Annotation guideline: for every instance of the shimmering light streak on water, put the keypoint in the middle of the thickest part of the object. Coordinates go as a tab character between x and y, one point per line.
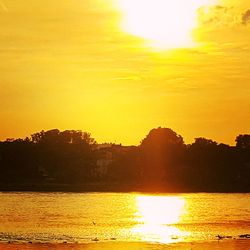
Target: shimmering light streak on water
156	214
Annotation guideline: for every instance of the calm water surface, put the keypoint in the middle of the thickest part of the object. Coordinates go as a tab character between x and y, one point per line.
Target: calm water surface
84	217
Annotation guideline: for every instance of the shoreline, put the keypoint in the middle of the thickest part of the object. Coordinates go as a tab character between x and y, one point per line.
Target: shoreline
237	244
106	187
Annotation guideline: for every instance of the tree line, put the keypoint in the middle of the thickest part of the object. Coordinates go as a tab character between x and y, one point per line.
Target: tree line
72	160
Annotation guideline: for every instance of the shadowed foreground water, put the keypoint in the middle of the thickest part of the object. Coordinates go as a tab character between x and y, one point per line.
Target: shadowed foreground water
115	217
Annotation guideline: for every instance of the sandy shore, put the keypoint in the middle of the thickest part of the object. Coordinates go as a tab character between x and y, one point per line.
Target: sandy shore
217	245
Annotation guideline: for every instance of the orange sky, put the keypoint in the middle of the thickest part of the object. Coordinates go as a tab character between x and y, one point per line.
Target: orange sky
72	65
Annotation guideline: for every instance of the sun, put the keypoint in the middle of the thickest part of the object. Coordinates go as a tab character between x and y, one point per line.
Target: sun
163	24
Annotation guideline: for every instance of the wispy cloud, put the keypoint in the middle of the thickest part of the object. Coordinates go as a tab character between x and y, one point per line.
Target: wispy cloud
219	15
128	78
246	17
224	16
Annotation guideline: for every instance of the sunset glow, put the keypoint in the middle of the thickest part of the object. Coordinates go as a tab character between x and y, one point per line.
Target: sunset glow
163	24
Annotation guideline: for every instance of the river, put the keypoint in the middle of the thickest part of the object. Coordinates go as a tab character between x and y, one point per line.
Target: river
86	217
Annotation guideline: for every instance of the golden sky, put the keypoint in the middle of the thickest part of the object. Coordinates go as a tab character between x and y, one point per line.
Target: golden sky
118	68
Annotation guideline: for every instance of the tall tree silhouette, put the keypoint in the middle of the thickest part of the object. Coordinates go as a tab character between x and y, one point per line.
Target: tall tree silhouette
161	152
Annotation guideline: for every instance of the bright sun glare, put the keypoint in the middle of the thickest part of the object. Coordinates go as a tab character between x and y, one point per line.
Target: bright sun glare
157	216
164	24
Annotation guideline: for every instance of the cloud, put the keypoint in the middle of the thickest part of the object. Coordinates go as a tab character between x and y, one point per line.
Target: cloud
222	16
218	15
246	17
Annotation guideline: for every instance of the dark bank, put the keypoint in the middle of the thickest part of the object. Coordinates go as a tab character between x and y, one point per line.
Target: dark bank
72	161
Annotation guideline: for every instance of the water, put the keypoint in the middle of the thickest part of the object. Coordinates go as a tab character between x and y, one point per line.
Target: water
87	217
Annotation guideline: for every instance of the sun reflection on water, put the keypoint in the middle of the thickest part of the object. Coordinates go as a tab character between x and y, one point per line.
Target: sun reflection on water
157	218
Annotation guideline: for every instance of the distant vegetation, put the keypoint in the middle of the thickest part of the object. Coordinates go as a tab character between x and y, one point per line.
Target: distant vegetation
73	161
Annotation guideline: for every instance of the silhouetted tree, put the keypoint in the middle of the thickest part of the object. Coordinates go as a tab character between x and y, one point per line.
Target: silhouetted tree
17	161
243	154
243	141
161	155
67	156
